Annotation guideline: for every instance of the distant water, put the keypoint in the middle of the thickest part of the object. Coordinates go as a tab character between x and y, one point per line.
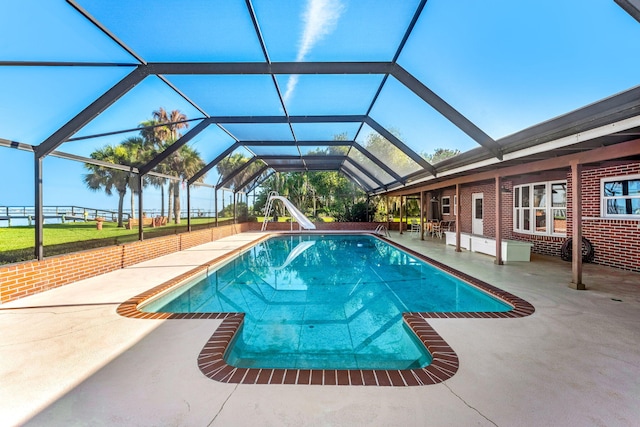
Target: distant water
21	222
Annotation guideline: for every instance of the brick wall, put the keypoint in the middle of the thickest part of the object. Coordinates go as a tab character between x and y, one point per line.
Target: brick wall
616	241
31	277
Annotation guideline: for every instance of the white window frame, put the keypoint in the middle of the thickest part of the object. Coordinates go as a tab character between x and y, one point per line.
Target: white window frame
603	198
455	205
518	220
447	205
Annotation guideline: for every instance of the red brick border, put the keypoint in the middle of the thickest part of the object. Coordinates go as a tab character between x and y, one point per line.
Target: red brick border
443	366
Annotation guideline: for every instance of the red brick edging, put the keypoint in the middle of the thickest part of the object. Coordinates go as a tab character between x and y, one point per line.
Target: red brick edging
443	366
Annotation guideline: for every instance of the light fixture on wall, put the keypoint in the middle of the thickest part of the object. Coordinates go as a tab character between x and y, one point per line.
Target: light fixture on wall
504	189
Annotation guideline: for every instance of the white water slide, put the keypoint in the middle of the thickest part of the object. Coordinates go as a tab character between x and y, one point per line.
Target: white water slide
295	213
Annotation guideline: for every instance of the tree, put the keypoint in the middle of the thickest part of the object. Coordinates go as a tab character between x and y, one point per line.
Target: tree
160	132
184	163
101	177
234	162
440	154
138	152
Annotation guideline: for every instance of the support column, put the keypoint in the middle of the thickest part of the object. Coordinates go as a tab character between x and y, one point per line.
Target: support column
388	223
314	209
422	215
457	215
140	220
235	216
39	217
576	224
215	204
498	190
401	208
188	207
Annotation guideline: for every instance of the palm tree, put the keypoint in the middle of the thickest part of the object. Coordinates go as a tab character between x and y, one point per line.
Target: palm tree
139	152
162	137
184	163
175	120
101	177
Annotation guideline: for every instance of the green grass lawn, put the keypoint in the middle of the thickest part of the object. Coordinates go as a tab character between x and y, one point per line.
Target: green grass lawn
12	238
17	243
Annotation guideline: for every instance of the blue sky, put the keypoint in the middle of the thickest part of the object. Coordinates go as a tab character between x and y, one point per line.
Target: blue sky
504	65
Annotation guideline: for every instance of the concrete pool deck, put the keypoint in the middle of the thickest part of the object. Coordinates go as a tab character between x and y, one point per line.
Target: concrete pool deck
67	357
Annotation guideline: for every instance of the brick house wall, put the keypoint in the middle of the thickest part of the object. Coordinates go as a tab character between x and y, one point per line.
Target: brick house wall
616	241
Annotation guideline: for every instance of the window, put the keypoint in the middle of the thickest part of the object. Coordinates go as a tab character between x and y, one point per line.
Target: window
534	212
446	205
621	197
455	205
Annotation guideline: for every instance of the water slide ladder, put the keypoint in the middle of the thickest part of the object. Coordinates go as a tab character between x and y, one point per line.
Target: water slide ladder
268	209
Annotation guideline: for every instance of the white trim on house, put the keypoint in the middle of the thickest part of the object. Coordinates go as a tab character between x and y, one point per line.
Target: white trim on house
603	198
524	213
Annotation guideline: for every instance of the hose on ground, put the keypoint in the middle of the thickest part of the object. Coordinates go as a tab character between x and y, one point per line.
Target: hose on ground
588	251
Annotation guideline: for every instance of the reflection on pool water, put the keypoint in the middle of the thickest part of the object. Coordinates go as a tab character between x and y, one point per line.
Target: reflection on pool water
327	302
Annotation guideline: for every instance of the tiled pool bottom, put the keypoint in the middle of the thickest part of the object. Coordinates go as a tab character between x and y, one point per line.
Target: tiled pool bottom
212	364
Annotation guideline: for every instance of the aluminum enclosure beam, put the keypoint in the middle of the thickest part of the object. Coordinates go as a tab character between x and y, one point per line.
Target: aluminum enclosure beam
378	162
105	30
175	146
235	173
93	110
289	157
252	178
212	163
632	7
261	180
288	119
328	143
355	180
270	68
365	172
464	124
400	145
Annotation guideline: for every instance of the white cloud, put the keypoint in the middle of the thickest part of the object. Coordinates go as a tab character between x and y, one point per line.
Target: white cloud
320	18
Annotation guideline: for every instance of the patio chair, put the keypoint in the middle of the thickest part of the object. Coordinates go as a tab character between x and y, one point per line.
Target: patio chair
448	226
436	229
415	226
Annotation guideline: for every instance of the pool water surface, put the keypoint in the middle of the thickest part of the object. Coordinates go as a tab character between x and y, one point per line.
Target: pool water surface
326	302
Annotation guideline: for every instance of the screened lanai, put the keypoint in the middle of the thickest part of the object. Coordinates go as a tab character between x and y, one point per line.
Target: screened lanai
372	89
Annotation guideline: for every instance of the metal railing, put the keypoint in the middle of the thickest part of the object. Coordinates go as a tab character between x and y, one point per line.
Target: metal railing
64	213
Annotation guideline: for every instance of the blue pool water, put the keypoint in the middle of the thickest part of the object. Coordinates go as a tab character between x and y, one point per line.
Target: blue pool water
327	302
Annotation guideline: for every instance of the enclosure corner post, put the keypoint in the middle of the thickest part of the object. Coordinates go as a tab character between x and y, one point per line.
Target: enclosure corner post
140	203
188	207
39	235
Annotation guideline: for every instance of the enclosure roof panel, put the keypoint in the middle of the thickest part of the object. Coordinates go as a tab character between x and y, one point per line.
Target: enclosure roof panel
405	90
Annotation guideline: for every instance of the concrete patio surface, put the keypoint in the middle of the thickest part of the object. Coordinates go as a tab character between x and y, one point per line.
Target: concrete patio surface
67	358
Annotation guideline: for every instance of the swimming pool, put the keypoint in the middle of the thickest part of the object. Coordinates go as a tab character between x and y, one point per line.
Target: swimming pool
327	302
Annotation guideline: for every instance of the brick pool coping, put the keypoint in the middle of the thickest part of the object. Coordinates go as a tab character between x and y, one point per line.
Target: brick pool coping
211	361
